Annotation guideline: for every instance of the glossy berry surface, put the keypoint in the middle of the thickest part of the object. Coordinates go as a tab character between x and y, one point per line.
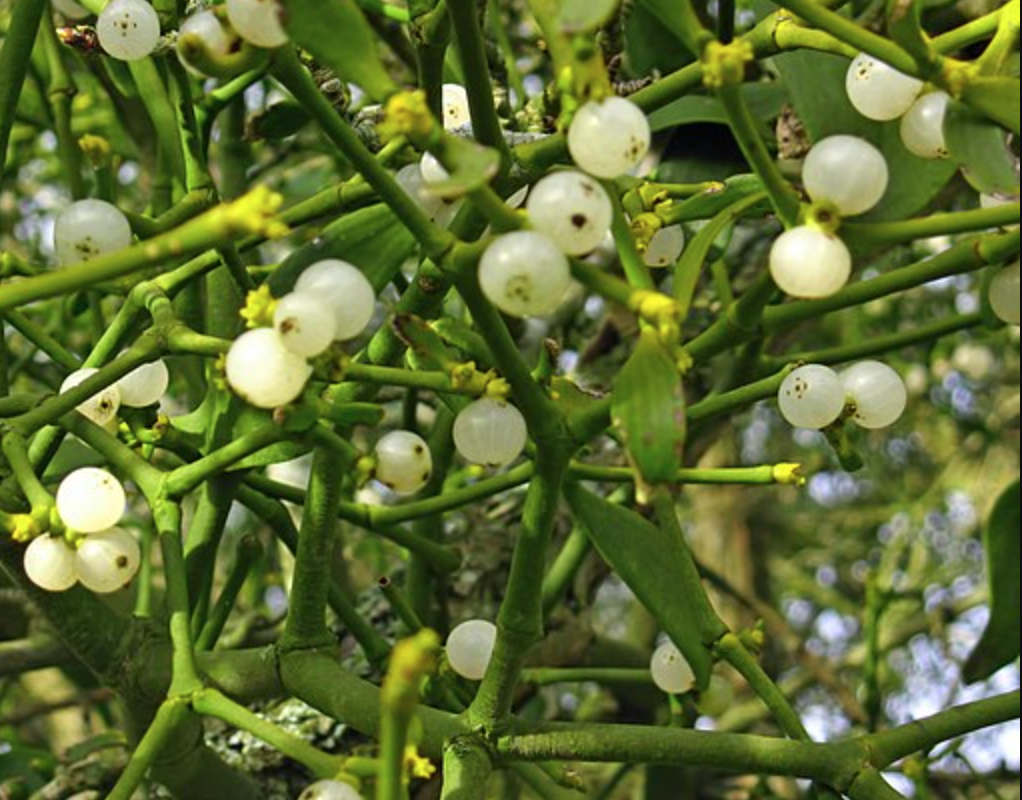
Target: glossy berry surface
330	790
470	646
305	322
489	432
922	127
258	22
262	371
456	112
89	228
403	461
608	138
102	407
877	391
1003	294
847	172
670	670
344	288
877	90
204	29
808	262
128	30
665	246
716	698
572	209
107	560
49	562
144	385
811	396
90	499
524	273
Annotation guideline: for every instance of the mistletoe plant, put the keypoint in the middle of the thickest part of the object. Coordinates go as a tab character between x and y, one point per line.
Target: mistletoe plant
441	252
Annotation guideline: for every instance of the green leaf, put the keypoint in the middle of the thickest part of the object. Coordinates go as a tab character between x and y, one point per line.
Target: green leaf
648	406
997	97
811	79
979	147
338	36
713	201
765	101
999	644
904	26
583	16
666	14
279	121
660	572
649	45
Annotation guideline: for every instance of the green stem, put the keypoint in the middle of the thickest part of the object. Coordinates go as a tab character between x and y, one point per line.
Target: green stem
721	476
566	565
153	94
248	554
170	718
189	477
939	224
976	30
870	785
399	604
606	676
14	60
467	768
60	91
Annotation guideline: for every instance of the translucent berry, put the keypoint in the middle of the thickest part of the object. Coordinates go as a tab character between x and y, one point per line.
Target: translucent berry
330	790
879	91
877	391
144	385
403	461
409	177
665	246
90	499
847	172
128	29
572	209
670	670
470	646
263	371
102	407
922	127
608	138
455	106
204	29
49	563
306	323
806	261
1004	293
490	432
432	170
524	273
258	22
716	698
345	289
89	228
811	396
107	561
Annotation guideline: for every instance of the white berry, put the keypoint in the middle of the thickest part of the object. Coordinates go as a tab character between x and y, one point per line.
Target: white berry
1004	293
89	228
128	29
877	391
345	289
432	170
204	29
716	698
524	273
306	323
258	21
330	790
49	563
403	461
879	91
572	209
107	561
811	396
470	646
102	407
847	172
263	371
90	499
608	138
808	262
922	127
455	106
490	432
664	246
144	385
670	670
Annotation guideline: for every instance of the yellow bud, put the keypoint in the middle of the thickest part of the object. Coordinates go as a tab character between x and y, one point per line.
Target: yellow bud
259	308
790	474
418	766
724	64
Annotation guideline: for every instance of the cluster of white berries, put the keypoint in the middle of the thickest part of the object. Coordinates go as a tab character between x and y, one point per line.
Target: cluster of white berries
143	386
90	501
526	273
330	790
469	647
880	92
332	301
814	395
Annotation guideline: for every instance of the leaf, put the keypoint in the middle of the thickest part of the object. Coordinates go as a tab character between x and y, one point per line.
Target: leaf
649	46
658	570
979	147
666	14
999	644
338	35
713	201
811	79
371	238
904	26
583	16
278	121
764	100
997	97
